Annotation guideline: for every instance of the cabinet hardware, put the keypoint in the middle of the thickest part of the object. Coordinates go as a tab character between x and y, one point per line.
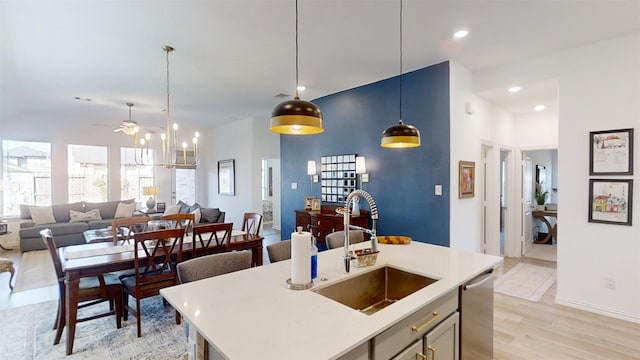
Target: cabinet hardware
422	356
433	352
433	318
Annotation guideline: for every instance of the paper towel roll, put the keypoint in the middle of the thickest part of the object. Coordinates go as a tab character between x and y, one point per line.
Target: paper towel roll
301	258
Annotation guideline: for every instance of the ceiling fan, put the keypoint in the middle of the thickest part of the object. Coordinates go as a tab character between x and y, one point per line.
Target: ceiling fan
129	127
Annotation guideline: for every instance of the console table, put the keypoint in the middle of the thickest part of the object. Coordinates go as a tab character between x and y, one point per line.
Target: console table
553	230
324	222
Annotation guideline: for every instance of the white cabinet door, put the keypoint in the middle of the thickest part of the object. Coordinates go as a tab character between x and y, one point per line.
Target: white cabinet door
443	342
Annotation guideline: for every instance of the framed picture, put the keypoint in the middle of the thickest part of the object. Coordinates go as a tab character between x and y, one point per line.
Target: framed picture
161	206
610	201
226	177
466	179
611	152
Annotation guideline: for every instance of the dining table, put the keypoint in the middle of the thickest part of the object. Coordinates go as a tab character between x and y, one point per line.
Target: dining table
96	259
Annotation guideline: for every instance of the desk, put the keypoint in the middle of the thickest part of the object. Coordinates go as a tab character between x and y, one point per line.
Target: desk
553	230
76	268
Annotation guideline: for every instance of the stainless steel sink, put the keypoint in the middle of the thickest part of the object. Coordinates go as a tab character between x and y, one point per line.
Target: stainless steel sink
374	290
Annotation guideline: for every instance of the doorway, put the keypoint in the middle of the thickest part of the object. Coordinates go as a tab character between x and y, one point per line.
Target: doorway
540	204
270	189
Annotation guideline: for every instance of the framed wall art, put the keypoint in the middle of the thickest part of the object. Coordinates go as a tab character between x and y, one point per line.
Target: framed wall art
338	177
611	152
226	177
610	201
466	179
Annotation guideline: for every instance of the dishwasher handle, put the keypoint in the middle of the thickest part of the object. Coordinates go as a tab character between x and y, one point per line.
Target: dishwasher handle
479	280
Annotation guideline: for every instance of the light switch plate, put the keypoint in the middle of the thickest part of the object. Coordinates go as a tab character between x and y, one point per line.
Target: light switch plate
315	178
294	186
438	190
365	178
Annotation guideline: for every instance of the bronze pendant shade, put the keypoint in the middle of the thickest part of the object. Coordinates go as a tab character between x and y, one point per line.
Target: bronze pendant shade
296	117
400	135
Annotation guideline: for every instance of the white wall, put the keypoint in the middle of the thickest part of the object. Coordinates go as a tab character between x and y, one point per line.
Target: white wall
488	126
246	141
539	129
599	90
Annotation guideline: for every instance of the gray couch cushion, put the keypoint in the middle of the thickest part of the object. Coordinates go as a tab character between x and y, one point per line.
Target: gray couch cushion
61	211
209	215
107	209
56	229
99	224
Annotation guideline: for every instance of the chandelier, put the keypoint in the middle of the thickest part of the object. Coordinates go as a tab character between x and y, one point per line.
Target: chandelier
175	153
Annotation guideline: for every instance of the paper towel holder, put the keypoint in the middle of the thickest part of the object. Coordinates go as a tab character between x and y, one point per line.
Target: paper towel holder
293	286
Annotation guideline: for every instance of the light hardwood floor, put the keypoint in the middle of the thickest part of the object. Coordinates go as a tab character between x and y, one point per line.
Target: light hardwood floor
522	329
544	330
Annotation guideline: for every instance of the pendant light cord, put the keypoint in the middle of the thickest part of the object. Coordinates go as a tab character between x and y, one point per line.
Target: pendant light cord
297	50
400	61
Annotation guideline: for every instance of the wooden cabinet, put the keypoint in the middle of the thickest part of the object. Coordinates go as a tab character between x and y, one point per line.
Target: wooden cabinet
324	222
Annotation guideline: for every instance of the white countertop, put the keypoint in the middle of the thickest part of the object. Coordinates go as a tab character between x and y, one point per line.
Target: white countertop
250	313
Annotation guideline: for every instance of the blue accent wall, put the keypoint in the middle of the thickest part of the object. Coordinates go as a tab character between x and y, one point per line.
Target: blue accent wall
401	181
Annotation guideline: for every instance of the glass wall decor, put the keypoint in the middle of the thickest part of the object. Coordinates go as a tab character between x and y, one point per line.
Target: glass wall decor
338	177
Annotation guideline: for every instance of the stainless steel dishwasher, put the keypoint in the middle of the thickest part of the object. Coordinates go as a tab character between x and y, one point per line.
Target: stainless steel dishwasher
476	318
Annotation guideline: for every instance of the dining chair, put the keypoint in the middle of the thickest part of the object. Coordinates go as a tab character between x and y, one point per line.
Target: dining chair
92	291
178	221
155	256
211	238
336	238
213	265
279	251
251	223
123	229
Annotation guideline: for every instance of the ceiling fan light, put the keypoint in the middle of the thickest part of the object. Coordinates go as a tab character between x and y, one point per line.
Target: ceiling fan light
400	135
128	130
296	117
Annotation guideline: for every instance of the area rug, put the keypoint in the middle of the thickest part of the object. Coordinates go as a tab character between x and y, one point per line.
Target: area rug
526	281
26	333
35	271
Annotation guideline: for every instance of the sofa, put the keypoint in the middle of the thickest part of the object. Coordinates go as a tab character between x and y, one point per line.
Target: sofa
69	221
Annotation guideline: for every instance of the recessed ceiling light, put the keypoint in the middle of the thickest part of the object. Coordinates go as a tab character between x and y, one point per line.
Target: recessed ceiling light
539	107
301	88
460	34
514	89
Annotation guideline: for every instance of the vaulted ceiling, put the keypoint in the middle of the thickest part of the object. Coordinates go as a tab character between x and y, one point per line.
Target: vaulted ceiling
81	61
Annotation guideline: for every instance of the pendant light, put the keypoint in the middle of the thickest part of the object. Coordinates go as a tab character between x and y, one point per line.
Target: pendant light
400	135
296	117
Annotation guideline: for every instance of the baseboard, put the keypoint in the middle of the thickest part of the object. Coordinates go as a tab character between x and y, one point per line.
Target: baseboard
634	318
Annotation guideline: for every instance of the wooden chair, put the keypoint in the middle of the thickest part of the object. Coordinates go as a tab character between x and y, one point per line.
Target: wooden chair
279	251
251	223
93	290
123	229
336	238
211	238
213	265
179	221
154	266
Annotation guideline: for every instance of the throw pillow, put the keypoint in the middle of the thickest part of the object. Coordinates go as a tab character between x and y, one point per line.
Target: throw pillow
184	207
42	215
197	215
172	210
209	215
124	210
194	206
78	216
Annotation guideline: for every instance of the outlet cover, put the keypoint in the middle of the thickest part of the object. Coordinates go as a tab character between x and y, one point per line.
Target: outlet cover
294	186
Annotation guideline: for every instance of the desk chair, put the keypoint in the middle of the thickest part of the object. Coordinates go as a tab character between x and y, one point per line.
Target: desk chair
251	223
93	290
154	267
279	251
336	238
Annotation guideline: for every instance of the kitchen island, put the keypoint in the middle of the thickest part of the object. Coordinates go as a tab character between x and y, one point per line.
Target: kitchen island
251	314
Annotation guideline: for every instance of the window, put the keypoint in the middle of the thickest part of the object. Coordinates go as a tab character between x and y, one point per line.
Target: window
88	173
134	177
26	175
186	185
